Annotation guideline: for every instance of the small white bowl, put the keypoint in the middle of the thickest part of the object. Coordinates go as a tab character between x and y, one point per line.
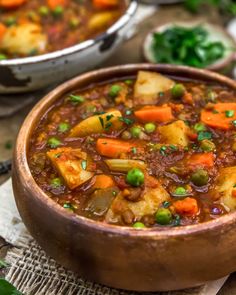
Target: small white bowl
216	33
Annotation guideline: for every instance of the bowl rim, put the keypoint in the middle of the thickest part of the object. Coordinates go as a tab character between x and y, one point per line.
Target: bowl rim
218	65
118	25
20	161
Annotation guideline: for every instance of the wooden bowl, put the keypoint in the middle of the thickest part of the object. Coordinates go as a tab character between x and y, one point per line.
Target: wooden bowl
122	257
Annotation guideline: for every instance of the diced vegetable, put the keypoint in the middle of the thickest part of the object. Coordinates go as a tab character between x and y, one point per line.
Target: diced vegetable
23	39
201	160
218	118
148	86
68	162
56	3
124	165
105	4
163	216
186	207
175	133
207	145
135	177
103	181
11	3
151	200
138	225
100	20
200	177
97	124
3	30
155	114
113	148
225	184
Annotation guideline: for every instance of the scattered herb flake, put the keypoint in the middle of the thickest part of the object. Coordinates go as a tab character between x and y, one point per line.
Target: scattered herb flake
204	135
129	112
128	82
56	182
53	142
166	204
108	126
127	121
76	99
163	150
101	121
108	117
63	127
7	288
234	122
229	113
134	150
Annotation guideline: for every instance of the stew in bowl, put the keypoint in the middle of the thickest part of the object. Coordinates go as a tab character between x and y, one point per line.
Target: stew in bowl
145	151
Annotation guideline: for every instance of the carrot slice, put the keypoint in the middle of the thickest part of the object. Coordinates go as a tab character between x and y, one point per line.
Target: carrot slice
112	148
187	207
11	3
201	160
217	118
2	30
103	181
155	114
54	3
104	4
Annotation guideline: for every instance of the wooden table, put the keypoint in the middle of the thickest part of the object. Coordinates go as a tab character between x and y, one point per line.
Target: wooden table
130	52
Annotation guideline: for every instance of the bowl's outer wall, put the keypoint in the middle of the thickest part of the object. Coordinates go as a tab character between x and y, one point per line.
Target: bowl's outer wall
25	77
124	258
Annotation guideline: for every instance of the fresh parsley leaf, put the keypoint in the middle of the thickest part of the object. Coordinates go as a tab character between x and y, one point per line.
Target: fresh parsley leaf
204	135
7	288
127	121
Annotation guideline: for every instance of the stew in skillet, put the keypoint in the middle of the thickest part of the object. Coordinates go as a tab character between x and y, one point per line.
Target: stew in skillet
33	27
149	151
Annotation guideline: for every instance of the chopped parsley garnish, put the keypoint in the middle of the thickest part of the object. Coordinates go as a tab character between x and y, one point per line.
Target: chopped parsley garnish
229	113
63	127
204	135
234	122
76	99
84	164
166	204
177	220
128	82
53	142
134	150
180	191
173	147
129	112
108	117
101	121
56	182
114	193
199	127
69	206
163	150
127	121
161	94
108	126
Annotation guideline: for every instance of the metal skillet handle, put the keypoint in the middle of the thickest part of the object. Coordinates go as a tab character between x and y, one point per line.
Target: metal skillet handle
5	167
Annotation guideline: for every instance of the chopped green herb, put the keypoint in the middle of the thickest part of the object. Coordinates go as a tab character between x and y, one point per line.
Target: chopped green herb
84	164
173	147
114	193
161	94
129	112
127	121
204	135
177	220
234	122
108	117
114	90
128	82
63	127
76	99
215	112
7	288
69	206
166	204
58	11
53	142
229	113
108	126
163	150
134	150
57	155
101	121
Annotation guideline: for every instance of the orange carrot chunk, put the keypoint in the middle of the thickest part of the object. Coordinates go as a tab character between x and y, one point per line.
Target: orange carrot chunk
11	3
113	148
186	207
204	160
221	116
103	181
155	114
54	3
2	30
104	4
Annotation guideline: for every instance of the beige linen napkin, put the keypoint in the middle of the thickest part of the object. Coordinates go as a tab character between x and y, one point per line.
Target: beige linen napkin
34	273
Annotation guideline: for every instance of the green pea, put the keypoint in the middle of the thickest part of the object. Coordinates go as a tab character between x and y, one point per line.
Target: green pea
178	91
207	145
135	131
200	177
63	127
135	177
10	21
56	182
58	11
180	191
199	127
150	127
138	225
43	10
114	90
163	216
3	56
53	142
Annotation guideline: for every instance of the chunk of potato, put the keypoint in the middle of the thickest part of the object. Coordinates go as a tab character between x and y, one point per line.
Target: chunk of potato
175	133
23	39
148	86
69	164
150	202
101	19
98	124
224	186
